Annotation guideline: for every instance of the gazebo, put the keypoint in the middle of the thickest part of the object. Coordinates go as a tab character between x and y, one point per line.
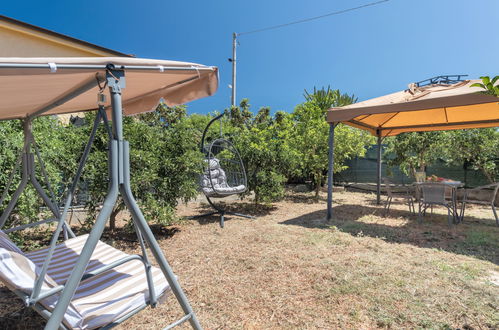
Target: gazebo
440	103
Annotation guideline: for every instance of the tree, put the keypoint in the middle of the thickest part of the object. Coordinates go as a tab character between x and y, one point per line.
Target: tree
263	142
164	163
49	136
412	152
489	85
310	136
478	148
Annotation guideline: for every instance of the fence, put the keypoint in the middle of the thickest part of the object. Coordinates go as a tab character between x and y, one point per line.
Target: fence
363	170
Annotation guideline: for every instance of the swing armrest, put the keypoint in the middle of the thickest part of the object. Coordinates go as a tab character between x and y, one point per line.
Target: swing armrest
43	295
112	265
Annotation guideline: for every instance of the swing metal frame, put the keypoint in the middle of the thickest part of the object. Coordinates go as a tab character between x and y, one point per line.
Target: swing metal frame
119	184
219	209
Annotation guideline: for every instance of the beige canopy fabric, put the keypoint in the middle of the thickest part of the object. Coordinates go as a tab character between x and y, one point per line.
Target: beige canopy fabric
429	108
69	84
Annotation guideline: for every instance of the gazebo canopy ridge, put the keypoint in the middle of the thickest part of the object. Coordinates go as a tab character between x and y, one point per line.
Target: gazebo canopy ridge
433	107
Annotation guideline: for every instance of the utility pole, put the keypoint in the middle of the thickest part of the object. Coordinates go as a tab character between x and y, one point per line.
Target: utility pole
233	60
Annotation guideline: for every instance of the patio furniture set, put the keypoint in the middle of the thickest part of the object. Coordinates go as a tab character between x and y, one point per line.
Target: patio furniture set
430	194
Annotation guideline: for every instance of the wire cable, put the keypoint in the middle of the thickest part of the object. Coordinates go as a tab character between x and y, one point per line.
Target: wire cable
313	18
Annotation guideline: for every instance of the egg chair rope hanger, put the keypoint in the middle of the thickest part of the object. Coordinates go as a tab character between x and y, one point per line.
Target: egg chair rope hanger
223	172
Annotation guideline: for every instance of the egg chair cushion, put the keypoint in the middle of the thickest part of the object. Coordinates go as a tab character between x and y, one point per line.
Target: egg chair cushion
214	180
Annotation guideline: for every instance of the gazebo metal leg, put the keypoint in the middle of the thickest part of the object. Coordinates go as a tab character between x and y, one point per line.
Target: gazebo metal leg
330	170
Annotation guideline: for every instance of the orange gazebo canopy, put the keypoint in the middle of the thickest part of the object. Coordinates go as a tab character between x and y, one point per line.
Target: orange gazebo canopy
439	106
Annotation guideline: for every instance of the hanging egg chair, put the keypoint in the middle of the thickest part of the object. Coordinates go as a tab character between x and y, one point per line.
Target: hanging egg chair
223	172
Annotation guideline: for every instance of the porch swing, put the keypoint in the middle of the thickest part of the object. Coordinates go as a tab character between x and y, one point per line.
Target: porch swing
83	283
223	172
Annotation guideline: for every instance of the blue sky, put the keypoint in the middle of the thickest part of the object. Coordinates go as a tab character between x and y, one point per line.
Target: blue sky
369	52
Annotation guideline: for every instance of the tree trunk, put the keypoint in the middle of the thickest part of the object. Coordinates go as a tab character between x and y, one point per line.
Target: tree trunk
318	180
487	174
113	216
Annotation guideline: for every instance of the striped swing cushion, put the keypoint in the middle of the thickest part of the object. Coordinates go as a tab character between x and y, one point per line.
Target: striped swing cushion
98	300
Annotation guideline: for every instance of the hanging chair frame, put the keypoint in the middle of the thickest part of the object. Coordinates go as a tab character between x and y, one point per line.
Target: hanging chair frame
119	184
219	209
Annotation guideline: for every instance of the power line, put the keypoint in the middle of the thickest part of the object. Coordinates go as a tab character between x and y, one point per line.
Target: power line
313	18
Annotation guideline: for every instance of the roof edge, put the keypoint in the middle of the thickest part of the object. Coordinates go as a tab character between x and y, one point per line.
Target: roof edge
62	36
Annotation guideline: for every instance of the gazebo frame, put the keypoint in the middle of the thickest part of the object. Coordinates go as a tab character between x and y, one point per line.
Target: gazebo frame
438	106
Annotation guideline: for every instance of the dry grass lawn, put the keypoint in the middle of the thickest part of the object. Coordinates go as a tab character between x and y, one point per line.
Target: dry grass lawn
289	269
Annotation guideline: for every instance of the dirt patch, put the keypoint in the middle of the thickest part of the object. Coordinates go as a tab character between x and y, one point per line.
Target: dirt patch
290	269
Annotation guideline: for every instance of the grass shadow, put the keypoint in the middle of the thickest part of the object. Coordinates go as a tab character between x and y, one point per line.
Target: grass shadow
251	209
123	237
475	237
304	198
14	315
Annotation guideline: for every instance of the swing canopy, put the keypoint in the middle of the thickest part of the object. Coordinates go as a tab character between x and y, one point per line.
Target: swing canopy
31	85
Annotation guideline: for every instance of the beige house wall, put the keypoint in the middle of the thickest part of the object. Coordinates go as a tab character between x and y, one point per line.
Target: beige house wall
16	44
21	41
18	39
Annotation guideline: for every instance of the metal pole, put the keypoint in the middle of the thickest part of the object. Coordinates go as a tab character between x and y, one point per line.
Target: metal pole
24	181
13	174
115	84
330	173
378	170
25	176
234	59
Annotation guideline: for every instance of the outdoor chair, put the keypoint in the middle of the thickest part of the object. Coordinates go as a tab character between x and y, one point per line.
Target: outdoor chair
494	187
400	192
223	172
436	193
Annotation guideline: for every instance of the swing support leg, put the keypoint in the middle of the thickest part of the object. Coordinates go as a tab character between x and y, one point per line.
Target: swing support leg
28	175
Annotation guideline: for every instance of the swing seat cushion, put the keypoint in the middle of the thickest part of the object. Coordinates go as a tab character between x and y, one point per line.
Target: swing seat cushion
99	300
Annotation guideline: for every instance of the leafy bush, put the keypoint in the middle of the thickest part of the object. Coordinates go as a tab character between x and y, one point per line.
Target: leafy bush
164	164
311	131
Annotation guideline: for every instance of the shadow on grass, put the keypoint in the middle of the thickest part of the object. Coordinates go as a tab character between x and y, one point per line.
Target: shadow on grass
304	198
123	237
475	237
246	208
15	315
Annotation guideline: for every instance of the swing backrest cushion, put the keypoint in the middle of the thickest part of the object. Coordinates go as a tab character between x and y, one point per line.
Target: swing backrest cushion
18	273
7	244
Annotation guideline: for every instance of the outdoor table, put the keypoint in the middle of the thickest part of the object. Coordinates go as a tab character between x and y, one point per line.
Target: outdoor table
454	185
